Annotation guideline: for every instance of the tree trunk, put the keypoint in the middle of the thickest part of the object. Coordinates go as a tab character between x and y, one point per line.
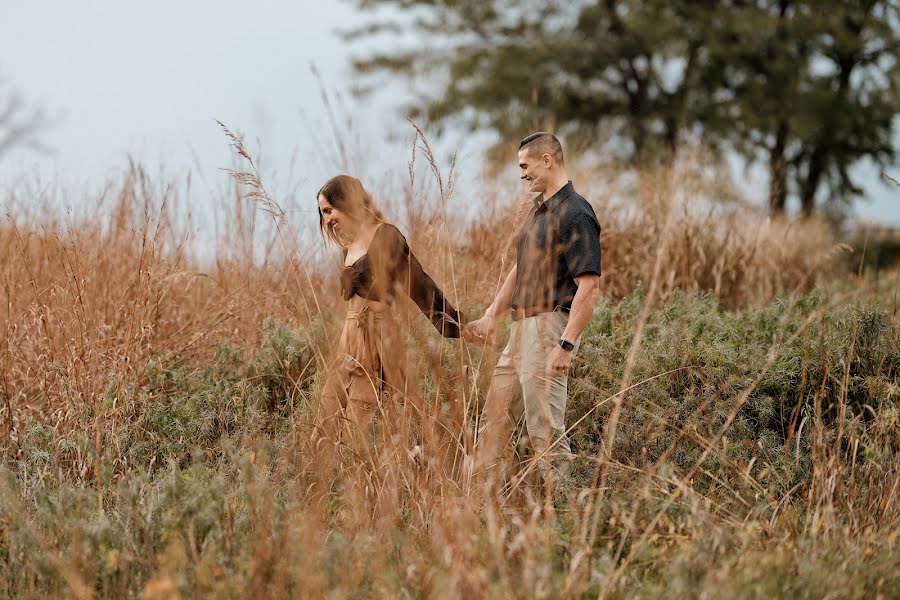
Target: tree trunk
811	184
778	173
825	145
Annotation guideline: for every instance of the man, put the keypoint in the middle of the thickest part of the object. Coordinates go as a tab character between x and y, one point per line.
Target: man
551	292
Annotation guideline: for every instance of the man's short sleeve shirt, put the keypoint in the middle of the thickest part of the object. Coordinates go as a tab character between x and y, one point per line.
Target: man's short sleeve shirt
559	241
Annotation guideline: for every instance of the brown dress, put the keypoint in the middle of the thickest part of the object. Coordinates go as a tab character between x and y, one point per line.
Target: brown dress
370	365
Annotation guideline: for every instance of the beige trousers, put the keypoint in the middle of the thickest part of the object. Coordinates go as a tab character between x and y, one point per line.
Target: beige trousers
521	390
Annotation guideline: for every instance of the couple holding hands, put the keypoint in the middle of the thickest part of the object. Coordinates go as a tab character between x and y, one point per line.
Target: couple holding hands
550	294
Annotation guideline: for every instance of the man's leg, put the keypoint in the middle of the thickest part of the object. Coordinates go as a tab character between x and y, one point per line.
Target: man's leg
503	408
544	396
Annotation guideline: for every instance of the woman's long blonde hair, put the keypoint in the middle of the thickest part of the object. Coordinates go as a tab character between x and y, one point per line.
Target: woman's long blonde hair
347	194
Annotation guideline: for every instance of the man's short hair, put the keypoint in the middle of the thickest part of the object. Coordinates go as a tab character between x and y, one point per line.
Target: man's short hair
541	143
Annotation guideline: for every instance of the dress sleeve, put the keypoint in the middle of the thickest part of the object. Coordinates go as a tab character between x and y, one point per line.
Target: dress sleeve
413	279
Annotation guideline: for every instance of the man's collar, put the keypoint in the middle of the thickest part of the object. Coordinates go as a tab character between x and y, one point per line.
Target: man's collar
551	202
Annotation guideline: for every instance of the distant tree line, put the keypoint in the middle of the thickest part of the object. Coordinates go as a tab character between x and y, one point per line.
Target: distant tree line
806	88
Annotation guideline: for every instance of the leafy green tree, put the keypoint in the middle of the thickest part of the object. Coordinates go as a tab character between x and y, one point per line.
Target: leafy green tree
587	67
809	87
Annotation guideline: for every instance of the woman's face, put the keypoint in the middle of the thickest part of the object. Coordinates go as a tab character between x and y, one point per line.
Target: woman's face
336	220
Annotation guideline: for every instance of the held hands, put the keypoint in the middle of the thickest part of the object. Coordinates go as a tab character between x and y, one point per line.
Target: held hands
483	330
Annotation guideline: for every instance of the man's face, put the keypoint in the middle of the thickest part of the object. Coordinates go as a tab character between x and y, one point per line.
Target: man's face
535	170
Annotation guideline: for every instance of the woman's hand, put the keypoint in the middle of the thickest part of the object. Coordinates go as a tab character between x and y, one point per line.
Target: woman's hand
483	330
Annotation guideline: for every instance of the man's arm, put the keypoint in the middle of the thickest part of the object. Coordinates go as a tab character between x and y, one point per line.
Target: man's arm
485	327
582	305
502	302
560	360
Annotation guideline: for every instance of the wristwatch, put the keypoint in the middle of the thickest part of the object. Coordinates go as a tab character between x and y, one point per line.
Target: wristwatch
566	345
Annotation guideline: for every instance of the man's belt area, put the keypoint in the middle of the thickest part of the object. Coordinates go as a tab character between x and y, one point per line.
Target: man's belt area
523	313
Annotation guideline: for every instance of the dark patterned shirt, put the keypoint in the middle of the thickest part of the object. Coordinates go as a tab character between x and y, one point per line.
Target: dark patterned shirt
559	241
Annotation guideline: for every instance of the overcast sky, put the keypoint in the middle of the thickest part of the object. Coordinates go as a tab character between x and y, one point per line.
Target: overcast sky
148	79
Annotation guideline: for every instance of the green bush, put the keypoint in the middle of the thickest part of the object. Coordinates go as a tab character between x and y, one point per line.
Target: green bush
208	487
844	357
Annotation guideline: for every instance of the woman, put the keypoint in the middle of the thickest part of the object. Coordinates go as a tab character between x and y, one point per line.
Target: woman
370	366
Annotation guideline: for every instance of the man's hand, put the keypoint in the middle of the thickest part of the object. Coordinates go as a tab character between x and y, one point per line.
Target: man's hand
483	330
558	362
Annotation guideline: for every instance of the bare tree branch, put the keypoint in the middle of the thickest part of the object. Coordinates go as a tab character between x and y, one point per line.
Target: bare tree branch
21	126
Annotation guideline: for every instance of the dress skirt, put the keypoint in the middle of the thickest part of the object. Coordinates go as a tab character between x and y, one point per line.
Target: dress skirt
369	369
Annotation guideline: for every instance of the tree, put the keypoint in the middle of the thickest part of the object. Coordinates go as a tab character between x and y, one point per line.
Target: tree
20	125
588	67
810	87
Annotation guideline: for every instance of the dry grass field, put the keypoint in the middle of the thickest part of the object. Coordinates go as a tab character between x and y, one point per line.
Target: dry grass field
156	410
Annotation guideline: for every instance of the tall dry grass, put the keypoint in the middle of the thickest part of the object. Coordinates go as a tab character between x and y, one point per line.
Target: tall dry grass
89	303
713	243
734	434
